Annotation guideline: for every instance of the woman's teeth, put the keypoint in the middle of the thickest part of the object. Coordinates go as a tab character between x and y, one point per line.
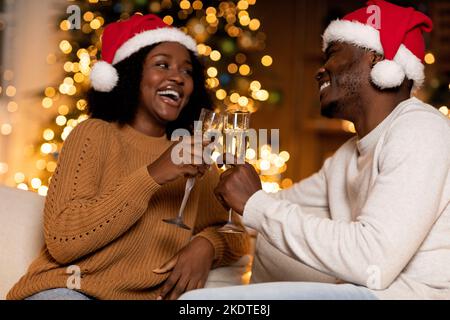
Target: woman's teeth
172	94
325	85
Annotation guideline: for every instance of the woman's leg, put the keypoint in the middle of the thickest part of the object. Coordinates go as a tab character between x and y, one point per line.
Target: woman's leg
59	294
283	291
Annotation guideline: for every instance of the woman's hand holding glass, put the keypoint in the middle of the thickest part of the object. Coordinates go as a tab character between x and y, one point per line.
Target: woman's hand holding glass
163	170
209	121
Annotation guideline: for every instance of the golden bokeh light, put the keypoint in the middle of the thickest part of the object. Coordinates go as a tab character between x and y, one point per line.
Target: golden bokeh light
19	177
42	191
266	61
61	120
232	68
88	16
36	183
215	55
234	97
212	72
48	134
429	58
244	70
197	5
12	106
11	91
50	92
254	24
168	20
242	5
41	164
65	46
6	129
47	102
255	85
221	94
185	4
243	101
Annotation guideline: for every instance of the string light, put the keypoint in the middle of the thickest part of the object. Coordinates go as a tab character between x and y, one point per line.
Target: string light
429	58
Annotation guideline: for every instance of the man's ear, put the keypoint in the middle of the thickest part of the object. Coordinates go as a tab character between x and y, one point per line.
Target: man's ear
376	57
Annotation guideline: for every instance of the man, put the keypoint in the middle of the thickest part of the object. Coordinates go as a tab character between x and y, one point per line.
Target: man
385	192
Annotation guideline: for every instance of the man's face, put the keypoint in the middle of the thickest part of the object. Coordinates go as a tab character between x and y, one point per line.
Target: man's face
341	78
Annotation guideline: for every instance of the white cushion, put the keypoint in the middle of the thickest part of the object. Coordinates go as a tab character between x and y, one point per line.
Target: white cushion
21	234
228	276
270	264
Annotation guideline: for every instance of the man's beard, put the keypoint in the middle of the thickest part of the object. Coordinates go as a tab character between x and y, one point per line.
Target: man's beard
350	83
332	110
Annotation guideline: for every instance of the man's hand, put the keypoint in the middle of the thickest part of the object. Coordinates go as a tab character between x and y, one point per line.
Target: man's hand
190	268
237	185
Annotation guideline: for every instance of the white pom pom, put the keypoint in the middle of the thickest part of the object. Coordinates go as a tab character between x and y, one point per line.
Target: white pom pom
387	74
104	76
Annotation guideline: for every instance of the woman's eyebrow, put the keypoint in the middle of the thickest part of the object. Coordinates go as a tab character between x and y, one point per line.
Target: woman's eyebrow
168	56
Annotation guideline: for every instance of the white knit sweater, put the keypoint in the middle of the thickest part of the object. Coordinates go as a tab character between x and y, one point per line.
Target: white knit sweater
387	199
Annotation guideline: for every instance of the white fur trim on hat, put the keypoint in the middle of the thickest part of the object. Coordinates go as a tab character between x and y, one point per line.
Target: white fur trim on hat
150	37
353	32
103	76
387	74
413	66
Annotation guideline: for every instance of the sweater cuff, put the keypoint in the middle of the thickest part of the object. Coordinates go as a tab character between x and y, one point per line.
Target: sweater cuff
216	240
254	209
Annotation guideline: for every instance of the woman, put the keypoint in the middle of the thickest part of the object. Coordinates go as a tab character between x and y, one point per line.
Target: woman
115	180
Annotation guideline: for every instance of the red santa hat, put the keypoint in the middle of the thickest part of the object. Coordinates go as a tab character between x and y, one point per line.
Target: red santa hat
121	39
390	30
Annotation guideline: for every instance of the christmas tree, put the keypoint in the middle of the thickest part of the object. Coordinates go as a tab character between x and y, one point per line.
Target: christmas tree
230	43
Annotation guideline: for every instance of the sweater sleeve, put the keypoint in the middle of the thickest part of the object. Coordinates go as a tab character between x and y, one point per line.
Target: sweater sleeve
401	208
311	193
79	217
211	216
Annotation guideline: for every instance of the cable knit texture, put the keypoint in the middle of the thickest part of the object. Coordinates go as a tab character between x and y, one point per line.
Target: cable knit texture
103	214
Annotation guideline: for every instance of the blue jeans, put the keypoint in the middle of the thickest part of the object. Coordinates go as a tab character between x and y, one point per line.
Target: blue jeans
59	294
283	291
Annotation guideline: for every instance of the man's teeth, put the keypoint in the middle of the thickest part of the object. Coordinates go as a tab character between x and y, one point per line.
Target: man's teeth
171	93
325	85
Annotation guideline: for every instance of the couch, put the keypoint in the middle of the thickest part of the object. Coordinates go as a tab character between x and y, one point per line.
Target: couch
21	238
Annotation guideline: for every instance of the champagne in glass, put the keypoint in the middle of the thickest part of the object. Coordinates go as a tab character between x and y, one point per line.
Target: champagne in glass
236	125
208	123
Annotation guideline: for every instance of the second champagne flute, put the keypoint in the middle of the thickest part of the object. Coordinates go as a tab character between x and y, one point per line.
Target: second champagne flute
235	128
208	121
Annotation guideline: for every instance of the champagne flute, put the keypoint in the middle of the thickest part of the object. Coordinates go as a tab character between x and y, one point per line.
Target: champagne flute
236	125
208	122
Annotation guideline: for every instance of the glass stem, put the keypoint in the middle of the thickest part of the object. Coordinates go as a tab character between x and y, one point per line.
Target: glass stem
229	215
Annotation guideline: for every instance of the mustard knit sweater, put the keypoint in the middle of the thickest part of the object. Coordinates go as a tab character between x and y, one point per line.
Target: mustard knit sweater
103	214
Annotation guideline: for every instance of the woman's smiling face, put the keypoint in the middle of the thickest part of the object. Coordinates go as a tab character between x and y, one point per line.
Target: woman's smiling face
167	83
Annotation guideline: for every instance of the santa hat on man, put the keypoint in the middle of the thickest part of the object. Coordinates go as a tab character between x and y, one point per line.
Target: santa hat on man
121	39
390	30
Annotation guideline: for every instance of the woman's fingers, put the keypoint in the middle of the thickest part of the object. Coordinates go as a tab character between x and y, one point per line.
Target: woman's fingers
166	267
190	170
168	286
179	288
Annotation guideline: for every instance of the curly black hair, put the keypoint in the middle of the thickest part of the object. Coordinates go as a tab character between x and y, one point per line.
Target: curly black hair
120	105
